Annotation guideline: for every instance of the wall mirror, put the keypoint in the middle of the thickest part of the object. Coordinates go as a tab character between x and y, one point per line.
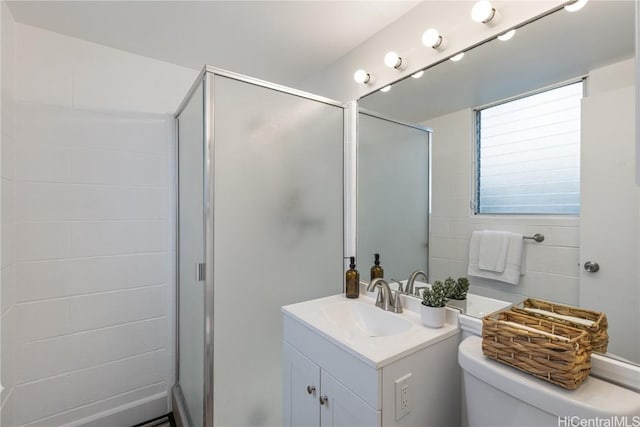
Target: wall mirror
596	43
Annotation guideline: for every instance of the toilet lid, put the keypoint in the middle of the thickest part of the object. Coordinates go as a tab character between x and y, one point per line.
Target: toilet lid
594	398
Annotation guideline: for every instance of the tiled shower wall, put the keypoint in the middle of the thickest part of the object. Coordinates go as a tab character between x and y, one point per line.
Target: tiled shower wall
92	259
7	267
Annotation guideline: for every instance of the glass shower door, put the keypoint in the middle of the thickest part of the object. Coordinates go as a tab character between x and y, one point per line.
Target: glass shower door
278	235
191	249
260	197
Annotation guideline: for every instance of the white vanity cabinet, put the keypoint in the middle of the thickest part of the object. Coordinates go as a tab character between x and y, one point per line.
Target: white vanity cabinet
315	398
334	378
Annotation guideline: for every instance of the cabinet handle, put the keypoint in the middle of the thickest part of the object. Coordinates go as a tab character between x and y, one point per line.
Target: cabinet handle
311	389
324	400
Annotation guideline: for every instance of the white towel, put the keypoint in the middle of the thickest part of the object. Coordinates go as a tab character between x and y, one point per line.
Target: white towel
493	250
514	266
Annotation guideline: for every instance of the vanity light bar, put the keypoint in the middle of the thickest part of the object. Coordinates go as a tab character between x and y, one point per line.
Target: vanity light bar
482	12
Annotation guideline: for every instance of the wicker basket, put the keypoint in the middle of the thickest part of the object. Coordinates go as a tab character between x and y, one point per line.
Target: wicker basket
565	362
597	332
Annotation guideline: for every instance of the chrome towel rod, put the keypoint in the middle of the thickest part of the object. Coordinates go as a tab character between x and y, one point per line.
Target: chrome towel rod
537	237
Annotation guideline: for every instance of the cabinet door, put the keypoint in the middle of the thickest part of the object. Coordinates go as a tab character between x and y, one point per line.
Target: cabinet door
301	407
342	408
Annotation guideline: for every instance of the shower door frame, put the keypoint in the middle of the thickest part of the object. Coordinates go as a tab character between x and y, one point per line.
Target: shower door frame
206	77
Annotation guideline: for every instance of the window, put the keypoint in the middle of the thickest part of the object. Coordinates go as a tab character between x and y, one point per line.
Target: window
528	154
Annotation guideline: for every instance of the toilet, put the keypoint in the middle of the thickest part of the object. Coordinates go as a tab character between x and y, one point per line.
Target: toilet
499	395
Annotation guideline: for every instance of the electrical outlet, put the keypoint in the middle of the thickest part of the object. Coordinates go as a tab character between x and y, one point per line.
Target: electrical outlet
404	397
403	400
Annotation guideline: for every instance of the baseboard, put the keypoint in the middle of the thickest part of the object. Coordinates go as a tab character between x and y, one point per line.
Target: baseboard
129	414
180	413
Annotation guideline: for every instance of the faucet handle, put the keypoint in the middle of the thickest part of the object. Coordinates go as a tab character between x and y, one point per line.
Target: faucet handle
396	307
400	287
418	289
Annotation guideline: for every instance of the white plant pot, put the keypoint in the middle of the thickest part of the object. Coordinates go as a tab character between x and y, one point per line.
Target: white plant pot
433	317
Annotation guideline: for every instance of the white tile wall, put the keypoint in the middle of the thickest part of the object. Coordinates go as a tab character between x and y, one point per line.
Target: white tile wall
87	225
101	413
117	307
113	238
552	269
85	386
7	268
42	241
50	357
36	201
134	169
68	277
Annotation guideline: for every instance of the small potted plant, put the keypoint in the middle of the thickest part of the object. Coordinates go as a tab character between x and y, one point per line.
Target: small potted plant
432	311
456	292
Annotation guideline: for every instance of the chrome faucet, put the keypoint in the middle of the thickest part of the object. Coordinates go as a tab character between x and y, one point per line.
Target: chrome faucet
410	283
385	299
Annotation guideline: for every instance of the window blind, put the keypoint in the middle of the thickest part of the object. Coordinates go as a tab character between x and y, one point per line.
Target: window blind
529	154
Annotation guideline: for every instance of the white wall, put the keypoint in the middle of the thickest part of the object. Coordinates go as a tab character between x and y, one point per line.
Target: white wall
610	205
552	267
7	267
93	251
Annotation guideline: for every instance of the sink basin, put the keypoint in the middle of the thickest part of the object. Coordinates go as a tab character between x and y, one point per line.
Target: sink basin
367	332
365	319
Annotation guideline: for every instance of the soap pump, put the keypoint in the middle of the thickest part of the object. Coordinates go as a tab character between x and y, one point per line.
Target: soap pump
376	270
352	280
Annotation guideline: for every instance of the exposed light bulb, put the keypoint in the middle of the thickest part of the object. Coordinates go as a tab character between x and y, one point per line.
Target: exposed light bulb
362	77
432	38
483	12
418	74
575	6
507	36
386	89
457	57
393	60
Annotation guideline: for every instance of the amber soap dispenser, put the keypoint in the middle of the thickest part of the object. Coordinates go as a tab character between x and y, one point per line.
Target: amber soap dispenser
376	270
352	278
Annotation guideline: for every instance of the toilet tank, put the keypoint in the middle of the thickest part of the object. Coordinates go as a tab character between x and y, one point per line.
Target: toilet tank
498	395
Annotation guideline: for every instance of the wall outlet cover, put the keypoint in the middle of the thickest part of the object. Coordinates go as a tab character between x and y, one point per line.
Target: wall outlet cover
402	394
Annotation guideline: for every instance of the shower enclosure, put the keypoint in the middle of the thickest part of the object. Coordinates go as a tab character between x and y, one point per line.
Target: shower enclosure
260	225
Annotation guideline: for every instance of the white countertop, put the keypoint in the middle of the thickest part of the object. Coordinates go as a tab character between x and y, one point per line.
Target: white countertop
374	351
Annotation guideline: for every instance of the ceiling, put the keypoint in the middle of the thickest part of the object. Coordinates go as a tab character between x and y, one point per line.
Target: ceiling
280	41
554	49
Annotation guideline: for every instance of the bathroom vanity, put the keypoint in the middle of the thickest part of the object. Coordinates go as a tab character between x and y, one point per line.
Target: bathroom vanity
348	362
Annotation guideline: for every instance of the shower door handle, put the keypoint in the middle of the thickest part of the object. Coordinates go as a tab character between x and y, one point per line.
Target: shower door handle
201	272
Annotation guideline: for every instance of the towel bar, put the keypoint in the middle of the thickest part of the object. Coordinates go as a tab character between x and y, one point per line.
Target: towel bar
537	237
